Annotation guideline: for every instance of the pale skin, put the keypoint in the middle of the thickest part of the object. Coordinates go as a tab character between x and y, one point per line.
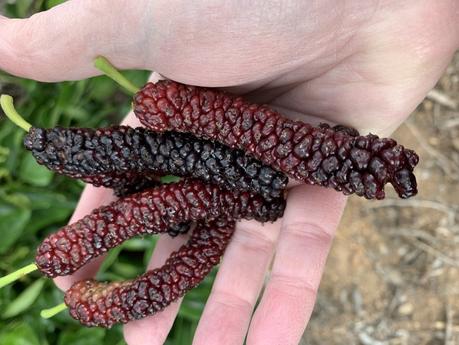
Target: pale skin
363	63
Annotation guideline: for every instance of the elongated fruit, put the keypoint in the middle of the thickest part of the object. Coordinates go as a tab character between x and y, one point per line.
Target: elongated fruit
111	156
142	183
104	304
150	212
318	155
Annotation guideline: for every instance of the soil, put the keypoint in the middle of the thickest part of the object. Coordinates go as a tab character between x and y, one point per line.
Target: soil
391	278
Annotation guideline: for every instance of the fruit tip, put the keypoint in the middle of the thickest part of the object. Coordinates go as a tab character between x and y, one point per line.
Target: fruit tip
107	68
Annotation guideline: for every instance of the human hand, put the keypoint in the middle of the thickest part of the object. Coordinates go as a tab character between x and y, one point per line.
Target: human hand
366	64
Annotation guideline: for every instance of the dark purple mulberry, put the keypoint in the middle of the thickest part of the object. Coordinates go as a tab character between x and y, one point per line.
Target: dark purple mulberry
332	157
122	157
150	212
104	304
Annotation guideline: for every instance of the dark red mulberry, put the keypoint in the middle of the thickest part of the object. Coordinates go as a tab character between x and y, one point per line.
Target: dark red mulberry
122	157
104	304
140	184
149	212
300	150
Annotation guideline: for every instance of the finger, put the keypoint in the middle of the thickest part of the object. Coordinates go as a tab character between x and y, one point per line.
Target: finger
153	330
61	43
238	284
308	226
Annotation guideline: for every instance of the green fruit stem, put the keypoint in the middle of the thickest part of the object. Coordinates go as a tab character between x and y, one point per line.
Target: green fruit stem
49	313
12	277
102	64
7	105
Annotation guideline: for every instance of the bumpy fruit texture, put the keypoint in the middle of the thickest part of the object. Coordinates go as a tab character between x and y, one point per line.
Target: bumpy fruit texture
339	159
104	304
150	212
141	184
120	157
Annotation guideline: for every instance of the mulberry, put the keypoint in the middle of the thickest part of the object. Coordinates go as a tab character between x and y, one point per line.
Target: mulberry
104	304
150	212
141	184
338	158
122	157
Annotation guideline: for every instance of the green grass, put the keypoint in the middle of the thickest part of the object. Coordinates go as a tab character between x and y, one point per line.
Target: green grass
35	202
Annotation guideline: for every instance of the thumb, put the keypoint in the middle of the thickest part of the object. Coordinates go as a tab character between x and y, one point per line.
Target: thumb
61	43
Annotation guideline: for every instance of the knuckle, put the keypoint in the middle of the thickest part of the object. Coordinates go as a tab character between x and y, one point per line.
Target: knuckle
255	239
309	232
231	300
293	285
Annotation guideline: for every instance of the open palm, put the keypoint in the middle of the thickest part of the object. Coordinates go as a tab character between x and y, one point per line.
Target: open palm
362	63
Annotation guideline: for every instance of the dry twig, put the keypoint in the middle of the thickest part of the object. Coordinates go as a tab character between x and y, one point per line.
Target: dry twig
442	98
449	326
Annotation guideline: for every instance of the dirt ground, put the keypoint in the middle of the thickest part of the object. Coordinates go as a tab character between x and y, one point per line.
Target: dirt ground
392	276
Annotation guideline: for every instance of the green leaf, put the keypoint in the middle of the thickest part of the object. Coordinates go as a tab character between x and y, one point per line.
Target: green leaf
114	336
76	113
33	173
22	7
52	3
183	332
83	336
137	77
13	142
16	199
191	311
137	244
12	223
126	270
24	300
19	334
16	258
109	276
4	152
44	200
101	88
110	259
43	218
37	4
66	94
